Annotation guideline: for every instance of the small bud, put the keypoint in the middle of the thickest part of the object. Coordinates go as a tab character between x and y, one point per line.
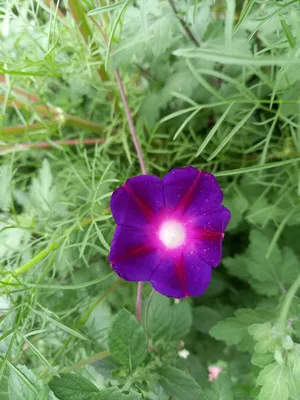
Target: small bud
214	372
279	357
184	353
287	342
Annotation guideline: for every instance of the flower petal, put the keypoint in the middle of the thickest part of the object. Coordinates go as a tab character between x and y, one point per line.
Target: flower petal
216	220
136	202
191	191
187	275
132	256
208	245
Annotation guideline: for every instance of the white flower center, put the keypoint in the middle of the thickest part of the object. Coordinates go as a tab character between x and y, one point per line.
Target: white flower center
172	234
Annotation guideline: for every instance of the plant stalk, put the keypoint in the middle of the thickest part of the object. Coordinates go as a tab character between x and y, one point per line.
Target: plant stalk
79	17
282	320
184	25
43	254
48	145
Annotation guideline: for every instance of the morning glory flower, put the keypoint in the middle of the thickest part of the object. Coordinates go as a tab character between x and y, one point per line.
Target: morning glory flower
169	231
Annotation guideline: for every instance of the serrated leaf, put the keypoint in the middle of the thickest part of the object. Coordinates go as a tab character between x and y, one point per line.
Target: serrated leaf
230	331
178	384
234	330
43	194
182	320
237	266
274	380
267	276
237	204
221	388
266	337
280	268
127	340
24	385
72	386
168	322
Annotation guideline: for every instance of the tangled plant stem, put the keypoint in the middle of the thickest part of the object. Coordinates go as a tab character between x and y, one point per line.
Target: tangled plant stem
79	17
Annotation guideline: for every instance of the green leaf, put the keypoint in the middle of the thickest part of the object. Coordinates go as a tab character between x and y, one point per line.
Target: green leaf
39	355
294	360
213	131
24	385
231	134
245	11
114	393
113	30
182	320
237	203
197	370
274	381
282	267
44	195
266	336
234	58
267	276
234	330
127	340
104	9
221	388
261	360
237	266
72	386
168	322
205	318
255	168
178	384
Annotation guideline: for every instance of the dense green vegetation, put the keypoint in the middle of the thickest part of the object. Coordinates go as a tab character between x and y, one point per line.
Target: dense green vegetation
212	84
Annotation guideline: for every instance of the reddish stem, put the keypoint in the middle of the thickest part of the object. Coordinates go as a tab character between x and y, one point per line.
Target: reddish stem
131	124
143	168
48	145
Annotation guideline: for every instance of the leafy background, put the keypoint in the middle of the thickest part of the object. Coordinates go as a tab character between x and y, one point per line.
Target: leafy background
213	84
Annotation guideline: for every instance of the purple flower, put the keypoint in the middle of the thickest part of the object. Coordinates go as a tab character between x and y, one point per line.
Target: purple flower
169	231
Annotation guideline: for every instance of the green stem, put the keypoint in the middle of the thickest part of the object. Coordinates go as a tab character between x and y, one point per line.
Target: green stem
21	129
86	315
43	254
72	120
282	320
89	360
24	268
78	15
68	120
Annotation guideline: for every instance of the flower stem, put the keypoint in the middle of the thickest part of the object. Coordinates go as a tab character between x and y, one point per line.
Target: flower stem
130	123
138	151
147	312
282	320
138	304
143	168
184	25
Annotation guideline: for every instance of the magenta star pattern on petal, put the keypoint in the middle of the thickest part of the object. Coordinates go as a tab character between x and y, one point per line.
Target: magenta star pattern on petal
169	231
